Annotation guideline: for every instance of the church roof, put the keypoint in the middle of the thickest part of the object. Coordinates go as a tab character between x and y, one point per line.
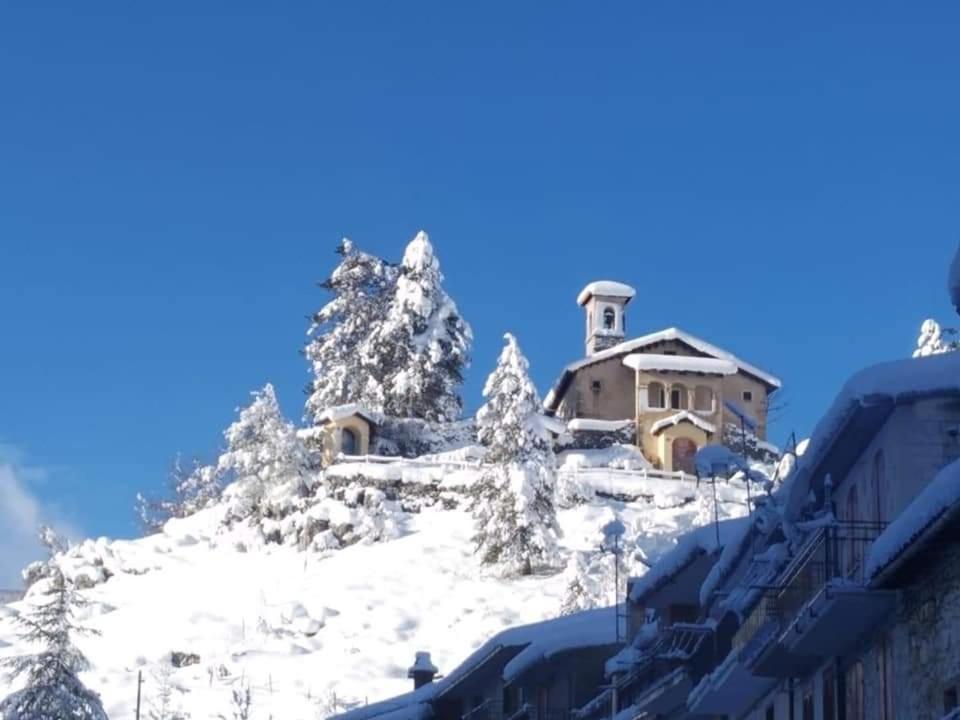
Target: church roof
628	346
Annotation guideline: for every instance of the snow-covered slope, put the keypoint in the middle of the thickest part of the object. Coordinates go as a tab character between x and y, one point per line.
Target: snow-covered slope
301	627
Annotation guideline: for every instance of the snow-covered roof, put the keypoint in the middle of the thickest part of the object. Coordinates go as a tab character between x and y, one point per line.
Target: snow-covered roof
874	389
605	288
690	546
682	416
679	363
536	641
938	501
629	346
341	412
591	424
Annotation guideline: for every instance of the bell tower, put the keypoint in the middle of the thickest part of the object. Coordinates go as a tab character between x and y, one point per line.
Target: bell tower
605	302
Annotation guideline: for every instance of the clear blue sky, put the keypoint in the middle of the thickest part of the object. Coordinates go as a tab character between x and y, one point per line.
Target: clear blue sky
782	180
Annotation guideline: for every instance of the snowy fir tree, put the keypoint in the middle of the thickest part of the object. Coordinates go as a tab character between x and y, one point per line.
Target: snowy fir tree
360	287
934	340
417	355
191	488
263	456
53	690
513	507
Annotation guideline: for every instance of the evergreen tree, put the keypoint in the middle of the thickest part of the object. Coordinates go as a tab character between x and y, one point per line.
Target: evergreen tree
417	355
935	340
359	286
263	455
191	488
53	689
516	523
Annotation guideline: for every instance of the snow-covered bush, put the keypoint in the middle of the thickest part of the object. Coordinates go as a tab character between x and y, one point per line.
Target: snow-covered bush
419	350
513	505
191	488
413	437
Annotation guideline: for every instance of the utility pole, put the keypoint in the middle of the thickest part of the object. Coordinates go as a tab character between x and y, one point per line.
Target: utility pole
139	685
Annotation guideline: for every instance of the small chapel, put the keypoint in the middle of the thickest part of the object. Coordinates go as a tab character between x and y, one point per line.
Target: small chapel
671	391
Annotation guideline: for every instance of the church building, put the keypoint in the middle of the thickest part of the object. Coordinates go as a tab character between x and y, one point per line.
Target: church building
676	391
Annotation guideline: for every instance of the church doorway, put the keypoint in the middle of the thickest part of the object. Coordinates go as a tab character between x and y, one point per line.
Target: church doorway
684	454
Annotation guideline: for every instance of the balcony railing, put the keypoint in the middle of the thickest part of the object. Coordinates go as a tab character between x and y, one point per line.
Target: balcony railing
833	553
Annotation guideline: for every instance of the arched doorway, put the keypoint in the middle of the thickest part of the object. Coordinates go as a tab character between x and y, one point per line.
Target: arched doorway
349	442
684	451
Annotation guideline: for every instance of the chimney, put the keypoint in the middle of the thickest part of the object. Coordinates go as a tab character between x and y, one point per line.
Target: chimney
422	672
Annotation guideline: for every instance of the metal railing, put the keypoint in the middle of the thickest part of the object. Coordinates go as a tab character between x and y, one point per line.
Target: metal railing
833	553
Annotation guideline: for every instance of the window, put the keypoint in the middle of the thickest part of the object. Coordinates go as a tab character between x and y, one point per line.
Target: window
855	692
771	713
879	487
609	318
829	694
656	396
950	699
349	442
703	399
596	386
807	713
678	397
747	396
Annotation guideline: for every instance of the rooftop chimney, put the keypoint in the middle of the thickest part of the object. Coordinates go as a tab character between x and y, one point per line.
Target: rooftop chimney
422	672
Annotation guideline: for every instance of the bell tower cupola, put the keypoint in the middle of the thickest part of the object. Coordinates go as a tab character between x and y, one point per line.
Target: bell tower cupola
604	302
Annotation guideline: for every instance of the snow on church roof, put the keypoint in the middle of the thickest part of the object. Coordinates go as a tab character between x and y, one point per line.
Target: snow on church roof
673	333
680	363
341	412
683	416
606	288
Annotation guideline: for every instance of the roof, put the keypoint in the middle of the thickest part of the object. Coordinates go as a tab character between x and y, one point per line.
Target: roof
605	288
859	411
937	504
683	416
689	547
528	644
679	363
341	412
629	346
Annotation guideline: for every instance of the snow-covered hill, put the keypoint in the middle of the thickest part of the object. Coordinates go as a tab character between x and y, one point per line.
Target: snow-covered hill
303	627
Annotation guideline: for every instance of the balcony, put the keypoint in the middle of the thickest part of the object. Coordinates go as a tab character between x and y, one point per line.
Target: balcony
819	607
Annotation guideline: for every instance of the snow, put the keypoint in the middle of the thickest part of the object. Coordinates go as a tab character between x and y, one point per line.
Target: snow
605	288
683	416
342	412
897	381
702	540
680	363
592	425
627	457
941	496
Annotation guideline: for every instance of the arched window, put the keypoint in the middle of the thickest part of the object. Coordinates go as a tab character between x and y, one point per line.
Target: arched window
678	397
656	396
349	442
703	399
609	318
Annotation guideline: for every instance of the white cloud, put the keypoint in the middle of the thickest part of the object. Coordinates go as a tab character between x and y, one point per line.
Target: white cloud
21	514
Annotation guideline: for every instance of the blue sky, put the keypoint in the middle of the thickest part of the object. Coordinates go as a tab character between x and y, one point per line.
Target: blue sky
174	178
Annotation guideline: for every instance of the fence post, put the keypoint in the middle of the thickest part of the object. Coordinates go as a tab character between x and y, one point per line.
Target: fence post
139	685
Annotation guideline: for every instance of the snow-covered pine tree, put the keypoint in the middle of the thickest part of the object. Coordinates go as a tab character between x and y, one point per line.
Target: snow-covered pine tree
359	286
263	457
53	689
417	355
935	340
513	503
191	488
